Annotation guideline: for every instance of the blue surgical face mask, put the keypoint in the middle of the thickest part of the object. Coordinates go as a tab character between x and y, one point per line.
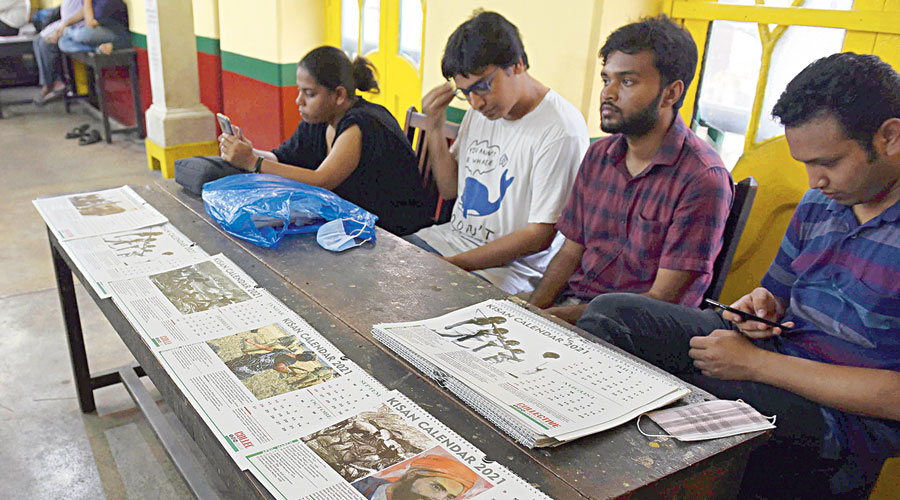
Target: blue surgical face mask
341	234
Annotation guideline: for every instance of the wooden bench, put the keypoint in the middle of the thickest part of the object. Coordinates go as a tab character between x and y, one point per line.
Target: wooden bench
97	62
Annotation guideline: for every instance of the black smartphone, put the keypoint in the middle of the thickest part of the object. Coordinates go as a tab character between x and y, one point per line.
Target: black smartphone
747	316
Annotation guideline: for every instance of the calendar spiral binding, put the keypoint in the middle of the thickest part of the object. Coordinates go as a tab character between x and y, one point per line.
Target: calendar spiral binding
483	406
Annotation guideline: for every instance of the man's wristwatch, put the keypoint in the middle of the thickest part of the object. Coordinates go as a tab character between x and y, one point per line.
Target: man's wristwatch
258	167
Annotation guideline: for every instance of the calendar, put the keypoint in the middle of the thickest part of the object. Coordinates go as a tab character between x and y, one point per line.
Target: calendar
537	380
259	386
99	212
195	302
311	407
131	254
383	443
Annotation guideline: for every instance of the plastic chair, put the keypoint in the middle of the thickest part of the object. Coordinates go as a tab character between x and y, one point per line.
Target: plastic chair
744	193
416	135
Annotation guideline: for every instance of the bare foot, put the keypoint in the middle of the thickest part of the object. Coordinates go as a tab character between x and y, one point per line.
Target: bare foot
105	48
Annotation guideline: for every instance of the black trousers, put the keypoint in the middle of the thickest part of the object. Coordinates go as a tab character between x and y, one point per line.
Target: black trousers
788	465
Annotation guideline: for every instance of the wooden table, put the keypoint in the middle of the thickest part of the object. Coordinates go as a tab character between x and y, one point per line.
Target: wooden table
342	296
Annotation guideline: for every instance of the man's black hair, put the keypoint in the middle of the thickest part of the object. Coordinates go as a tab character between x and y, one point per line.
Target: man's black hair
486	38
859	90
673	48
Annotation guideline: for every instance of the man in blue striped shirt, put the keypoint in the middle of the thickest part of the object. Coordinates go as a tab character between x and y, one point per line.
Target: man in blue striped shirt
834	377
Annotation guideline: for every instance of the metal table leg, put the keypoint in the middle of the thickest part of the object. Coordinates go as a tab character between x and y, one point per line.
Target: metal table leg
67	301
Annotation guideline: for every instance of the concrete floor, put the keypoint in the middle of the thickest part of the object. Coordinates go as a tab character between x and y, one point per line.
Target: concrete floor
51	449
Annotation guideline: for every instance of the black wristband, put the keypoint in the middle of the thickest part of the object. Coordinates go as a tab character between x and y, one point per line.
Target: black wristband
258	167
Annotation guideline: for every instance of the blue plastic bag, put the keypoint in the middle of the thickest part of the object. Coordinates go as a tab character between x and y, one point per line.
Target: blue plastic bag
262	208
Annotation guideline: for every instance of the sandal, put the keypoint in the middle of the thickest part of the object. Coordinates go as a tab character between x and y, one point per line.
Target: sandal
53	95
89	138
78	131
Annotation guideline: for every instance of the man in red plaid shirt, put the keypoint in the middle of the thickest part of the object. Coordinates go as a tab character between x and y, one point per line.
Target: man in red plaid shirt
650	201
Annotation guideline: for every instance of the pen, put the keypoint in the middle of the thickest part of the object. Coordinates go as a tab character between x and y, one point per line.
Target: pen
746	315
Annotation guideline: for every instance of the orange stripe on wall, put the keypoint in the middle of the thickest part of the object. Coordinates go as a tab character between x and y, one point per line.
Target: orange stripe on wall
290	115
209	68
256	107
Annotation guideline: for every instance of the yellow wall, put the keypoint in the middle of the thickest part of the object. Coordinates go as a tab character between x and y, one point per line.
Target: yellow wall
206	18
561	43
137	16
279	31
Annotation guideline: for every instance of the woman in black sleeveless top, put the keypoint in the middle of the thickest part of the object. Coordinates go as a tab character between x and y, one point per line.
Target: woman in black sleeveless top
344	143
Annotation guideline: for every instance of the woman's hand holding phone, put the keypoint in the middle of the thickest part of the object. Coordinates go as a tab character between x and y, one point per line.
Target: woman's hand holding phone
237	150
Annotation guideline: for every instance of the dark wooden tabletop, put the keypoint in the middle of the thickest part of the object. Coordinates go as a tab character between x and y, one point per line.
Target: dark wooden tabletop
343	294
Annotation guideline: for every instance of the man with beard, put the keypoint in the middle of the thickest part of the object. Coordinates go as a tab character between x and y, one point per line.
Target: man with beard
650	201
431	477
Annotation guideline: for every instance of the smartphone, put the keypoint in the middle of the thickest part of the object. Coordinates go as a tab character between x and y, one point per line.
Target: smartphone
225	124
747	316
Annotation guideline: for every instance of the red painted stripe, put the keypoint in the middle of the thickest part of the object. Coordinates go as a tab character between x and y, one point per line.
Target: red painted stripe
267	112
254	106
290	116
144	78
209	68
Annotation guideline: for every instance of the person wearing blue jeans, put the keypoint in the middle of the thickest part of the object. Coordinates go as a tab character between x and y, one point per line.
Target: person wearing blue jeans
46	51
94	25
102	38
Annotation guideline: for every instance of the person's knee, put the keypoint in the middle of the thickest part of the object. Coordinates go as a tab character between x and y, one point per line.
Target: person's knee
67	45
612	306
84	35
602	315
610	316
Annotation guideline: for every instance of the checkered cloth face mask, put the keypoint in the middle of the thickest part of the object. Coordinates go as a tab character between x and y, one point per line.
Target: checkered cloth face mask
708	420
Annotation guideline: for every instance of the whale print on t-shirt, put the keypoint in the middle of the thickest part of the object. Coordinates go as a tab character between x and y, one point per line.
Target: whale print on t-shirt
476	198
482	160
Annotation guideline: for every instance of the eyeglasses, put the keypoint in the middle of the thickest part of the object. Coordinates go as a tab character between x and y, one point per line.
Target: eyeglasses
481	89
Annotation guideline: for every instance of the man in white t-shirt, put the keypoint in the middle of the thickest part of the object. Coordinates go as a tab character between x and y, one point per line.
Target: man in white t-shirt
513	163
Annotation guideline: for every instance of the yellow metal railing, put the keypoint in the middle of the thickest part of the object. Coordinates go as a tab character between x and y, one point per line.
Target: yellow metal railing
872	27
875	21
